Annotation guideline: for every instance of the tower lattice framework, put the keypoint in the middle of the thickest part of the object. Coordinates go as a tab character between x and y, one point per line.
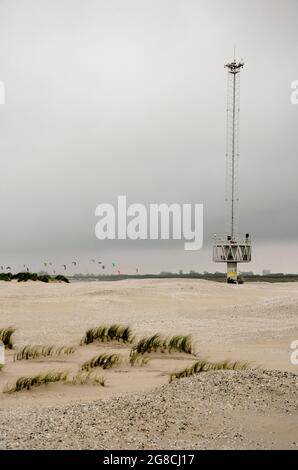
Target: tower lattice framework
231	249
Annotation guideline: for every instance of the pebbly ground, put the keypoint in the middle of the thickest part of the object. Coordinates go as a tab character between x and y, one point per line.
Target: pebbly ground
216	410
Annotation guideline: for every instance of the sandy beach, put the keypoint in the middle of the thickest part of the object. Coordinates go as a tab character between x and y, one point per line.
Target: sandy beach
254	322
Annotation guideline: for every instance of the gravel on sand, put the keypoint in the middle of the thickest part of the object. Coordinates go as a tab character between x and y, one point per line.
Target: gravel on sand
216	410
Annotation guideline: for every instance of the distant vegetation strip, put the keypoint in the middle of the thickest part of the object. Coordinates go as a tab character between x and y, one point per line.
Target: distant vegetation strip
24	277
218	277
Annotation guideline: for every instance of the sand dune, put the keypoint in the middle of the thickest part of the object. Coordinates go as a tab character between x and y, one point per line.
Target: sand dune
253	322
230	410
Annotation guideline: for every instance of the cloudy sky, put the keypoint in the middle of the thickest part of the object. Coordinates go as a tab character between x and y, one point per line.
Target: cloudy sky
111	97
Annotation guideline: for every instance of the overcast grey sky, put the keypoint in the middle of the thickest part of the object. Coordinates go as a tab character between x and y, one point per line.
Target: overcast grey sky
111	97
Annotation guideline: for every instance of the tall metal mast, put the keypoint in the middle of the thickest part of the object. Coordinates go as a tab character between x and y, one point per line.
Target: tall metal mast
230	249
232	155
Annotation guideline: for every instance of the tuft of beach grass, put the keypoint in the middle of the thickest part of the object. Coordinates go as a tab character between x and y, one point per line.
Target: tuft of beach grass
88	377
105	361
157	342
106	333
207	366
35	351
138	359
6	336
27	382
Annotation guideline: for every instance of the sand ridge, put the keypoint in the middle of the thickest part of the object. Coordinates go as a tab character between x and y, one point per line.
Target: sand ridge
254	322
217	410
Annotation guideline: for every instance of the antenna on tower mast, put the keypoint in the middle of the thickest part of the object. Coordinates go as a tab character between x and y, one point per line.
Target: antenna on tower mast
231	249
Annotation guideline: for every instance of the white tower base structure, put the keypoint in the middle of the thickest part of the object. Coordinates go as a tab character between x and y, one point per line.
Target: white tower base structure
232	252
231	249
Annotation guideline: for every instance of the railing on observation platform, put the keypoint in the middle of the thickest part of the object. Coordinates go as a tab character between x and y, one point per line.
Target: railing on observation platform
231	250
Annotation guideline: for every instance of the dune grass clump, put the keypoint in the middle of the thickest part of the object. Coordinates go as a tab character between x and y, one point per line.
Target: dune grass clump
108	333
149	344
159	343
6	336
138	359
180	343
88	377
105	361
207	366
33	352
27	382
